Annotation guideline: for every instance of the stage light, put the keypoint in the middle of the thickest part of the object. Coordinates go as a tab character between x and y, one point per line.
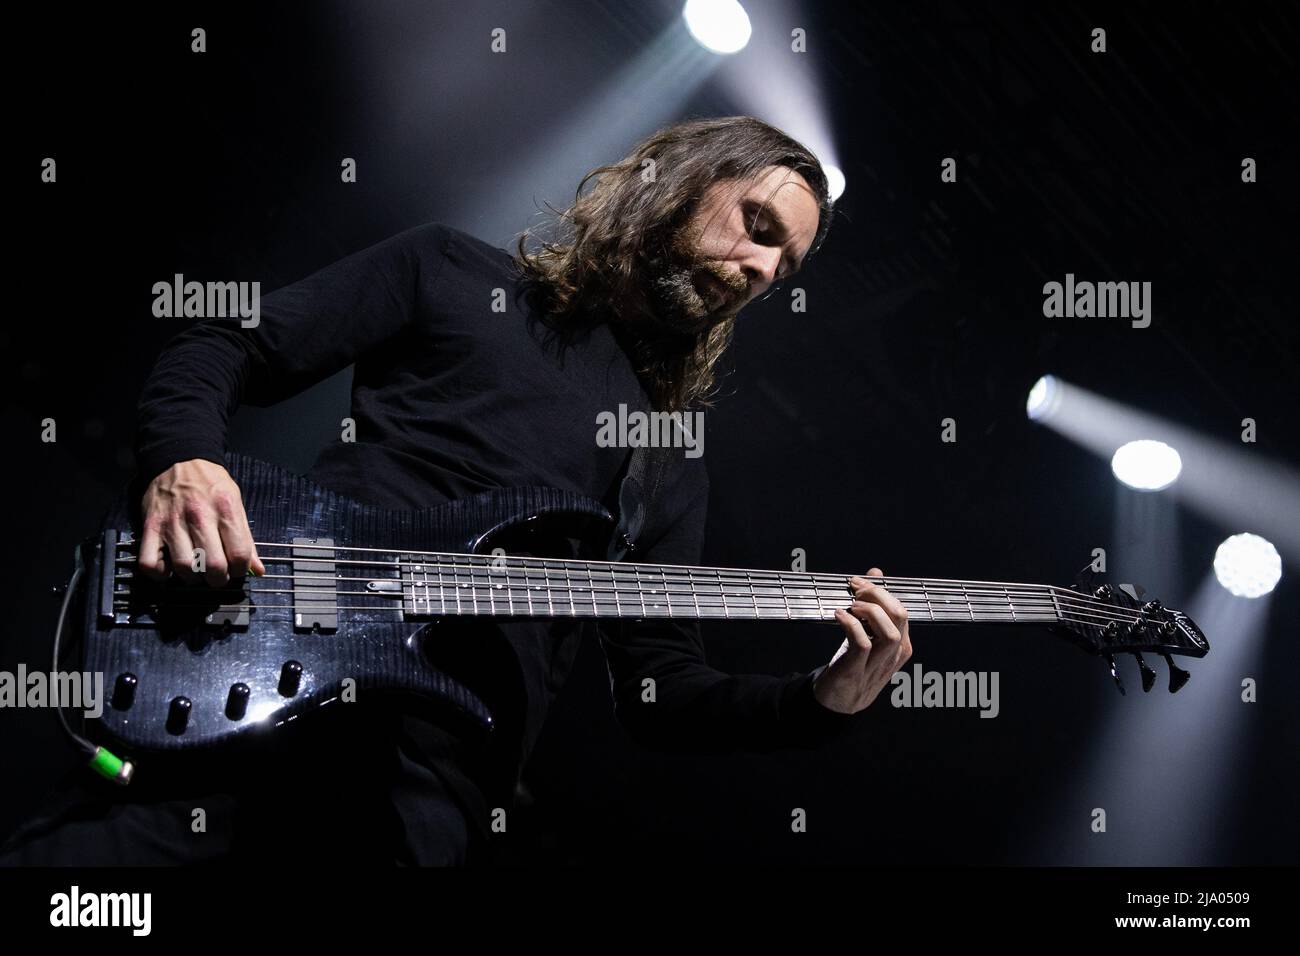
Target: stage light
718	25
1247	565
1044	398
834	180
1222	480
1146	465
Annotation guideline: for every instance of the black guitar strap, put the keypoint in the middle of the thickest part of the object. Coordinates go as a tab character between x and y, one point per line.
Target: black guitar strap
638	494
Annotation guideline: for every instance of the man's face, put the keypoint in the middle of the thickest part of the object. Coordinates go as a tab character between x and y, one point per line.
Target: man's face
738	242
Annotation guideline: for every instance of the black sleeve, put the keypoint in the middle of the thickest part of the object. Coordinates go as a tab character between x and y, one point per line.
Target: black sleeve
306	332
697	708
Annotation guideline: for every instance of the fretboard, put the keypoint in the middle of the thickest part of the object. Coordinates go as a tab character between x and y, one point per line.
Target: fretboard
449	585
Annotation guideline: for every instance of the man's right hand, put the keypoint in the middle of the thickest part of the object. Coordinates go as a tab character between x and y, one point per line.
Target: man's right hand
195	505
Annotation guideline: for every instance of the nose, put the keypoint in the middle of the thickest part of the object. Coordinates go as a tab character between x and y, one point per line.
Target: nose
760	265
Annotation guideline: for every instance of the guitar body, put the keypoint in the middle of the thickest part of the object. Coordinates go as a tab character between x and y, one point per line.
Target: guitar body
188	666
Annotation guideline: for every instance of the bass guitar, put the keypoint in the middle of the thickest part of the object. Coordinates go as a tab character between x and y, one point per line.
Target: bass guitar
351	592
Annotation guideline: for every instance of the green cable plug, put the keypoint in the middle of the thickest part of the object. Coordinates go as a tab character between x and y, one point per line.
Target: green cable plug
111	767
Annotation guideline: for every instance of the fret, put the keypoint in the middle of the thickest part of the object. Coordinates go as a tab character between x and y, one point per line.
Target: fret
613	580
636	570
528	590
722	590
1010	603
925	593
970	607
591	583
550	601
492	600
789	615
753	596
668	594
690	576
455	581
442	592
510	591
473	591
568	586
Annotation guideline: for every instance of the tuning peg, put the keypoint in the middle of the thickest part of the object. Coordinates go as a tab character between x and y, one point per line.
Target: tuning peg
1114	672
1147	671
1177	676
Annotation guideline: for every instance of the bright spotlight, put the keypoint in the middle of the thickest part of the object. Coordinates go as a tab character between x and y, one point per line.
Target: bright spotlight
1146	465
834	180
718	25
1044	398
1247	565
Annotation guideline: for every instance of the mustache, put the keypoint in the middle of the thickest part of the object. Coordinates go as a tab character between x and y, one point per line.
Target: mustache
735	286
684	254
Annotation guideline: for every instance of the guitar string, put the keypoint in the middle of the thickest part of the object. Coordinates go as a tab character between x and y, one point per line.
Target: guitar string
685	595
617	565
1032	600
991	612
810	616
776	591
1062	593
584	609
741	577
651	568
490	588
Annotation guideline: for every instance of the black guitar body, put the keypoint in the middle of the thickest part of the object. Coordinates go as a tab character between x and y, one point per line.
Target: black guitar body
208	666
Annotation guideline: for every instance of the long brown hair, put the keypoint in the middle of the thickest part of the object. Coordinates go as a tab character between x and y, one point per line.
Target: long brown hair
598	272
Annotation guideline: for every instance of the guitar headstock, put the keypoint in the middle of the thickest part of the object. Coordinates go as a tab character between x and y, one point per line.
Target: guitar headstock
1115	619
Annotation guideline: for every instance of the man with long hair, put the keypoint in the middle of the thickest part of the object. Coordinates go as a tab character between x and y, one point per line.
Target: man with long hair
478	369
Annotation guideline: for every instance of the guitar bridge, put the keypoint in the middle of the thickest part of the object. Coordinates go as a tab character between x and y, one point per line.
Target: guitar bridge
114	584
127	597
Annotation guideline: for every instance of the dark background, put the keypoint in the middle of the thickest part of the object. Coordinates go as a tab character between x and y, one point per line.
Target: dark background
925	303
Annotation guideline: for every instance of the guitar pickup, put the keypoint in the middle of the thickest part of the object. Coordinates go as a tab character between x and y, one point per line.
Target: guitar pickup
236	615
315	587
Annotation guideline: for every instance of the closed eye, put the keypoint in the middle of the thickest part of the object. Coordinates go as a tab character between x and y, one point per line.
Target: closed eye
767	235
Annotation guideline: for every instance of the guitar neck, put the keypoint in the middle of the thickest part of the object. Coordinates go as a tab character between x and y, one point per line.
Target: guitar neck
449	585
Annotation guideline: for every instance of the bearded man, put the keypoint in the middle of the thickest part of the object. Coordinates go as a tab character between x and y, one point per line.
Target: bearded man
476	369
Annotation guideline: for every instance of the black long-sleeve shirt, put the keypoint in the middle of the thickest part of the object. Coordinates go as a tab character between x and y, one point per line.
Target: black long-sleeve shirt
458	389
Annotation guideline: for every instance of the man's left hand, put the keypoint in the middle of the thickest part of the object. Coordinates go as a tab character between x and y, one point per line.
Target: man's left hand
877	645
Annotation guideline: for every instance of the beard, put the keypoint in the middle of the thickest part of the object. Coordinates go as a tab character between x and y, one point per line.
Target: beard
689	294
